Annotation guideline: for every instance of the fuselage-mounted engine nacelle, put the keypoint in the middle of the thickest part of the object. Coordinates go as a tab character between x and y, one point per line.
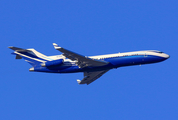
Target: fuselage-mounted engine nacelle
52	63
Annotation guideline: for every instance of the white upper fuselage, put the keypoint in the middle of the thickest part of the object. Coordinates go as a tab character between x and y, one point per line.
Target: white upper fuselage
134	53
148	52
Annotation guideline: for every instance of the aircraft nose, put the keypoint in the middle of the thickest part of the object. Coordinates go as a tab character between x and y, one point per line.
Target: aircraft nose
166	56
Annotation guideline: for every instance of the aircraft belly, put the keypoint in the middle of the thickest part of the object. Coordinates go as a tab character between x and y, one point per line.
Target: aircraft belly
134	60
71	69
153	59
74	69
123	61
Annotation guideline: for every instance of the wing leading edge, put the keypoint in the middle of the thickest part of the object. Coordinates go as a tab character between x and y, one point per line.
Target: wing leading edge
81	61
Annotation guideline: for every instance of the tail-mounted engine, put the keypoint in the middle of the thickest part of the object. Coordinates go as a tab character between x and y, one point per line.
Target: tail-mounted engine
52	63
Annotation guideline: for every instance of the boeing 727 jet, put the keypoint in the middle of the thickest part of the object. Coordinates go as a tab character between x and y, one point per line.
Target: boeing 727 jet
93	67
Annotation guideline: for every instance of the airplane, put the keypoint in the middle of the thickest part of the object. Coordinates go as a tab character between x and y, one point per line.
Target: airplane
93	67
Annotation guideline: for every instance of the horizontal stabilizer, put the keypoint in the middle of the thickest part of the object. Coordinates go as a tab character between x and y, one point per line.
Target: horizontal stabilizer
18	49
18	57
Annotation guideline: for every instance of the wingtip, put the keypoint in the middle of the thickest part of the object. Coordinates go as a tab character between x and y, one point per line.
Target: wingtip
56	46
78	81
10	46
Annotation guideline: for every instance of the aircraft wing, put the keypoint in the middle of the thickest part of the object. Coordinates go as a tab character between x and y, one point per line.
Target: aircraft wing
81	61
89	77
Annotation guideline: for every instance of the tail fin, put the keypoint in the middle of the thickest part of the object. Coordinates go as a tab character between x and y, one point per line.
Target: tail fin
31	56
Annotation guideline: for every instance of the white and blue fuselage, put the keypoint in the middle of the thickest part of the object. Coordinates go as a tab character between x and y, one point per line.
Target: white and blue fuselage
114	60
93	67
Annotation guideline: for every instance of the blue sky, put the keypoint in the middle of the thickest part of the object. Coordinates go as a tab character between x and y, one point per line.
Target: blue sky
89	28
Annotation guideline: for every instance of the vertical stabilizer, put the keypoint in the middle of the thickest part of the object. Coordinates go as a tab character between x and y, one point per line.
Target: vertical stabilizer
31	56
